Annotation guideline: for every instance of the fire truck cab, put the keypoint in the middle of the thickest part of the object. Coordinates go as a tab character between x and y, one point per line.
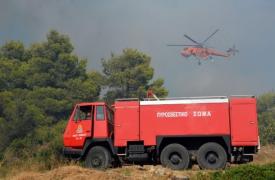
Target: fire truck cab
210	131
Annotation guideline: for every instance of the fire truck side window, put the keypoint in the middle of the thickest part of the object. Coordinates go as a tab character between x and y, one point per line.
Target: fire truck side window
83	113
100	113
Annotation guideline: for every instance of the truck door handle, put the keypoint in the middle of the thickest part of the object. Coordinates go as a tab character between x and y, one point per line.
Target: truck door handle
251	122
88	131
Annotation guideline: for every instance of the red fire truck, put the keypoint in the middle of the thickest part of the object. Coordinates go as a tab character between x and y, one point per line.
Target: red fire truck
210	131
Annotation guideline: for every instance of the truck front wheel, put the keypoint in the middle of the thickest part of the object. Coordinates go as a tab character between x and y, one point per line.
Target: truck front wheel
98	157
211	156
175	156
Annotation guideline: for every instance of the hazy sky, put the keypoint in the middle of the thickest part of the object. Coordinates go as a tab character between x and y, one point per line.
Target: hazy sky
99	27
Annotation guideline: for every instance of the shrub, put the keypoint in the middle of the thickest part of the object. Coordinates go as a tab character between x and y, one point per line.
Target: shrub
243	172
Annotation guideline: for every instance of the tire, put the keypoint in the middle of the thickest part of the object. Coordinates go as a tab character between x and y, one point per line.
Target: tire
175	156
211	156
98	157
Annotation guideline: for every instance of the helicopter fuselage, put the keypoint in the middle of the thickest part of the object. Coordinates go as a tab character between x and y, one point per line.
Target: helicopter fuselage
202	53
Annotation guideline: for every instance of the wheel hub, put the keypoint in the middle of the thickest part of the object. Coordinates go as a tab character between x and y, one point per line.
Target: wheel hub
96	162
212	158
175	159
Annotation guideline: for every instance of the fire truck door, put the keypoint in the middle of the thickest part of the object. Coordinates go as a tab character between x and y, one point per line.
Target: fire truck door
100	122
81	125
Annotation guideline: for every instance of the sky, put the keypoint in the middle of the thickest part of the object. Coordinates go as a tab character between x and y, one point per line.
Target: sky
98	28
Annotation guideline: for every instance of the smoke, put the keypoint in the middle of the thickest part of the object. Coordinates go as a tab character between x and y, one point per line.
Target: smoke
100	27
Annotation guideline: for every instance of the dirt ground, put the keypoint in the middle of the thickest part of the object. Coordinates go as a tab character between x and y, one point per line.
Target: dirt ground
266	155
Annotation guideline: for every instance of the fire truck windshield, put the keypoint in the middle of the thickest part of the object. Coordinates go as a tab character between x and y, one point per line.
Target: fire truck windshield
83	113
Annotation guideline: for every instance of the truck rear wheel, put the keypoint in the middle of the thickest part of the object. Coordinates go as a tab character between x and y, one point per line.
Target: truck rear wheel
175	156
211	156
98	157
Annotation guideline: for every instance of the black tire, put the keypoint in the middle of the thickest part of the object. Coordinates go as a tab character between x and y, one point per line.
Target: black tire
211	156
98	157
175	156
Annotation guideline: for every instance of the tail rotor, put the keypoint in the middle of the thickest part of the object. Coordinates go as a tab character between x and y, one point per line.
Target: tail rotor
232	51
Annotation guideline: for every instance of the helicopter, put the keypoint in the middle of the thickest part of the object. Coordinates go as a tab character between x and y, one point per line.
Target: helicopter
202	52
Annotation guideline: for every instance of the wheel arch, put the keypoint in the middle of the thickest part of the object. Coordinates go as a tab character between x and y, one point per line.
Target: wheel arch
105	142
193	142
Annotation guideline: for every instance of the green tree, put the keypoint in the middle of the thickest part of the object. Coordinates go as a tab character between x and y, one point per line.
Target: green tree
266	117
38	87
13	50
129	75
52	63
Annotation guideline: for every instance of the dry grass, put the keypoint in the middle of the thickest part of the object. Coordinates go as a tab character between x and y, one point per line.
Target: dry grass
266	155
79	173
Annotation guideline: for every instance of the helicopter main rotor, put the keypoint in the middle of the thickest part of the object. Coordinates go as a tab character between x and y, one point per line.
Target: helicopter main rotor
196	44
